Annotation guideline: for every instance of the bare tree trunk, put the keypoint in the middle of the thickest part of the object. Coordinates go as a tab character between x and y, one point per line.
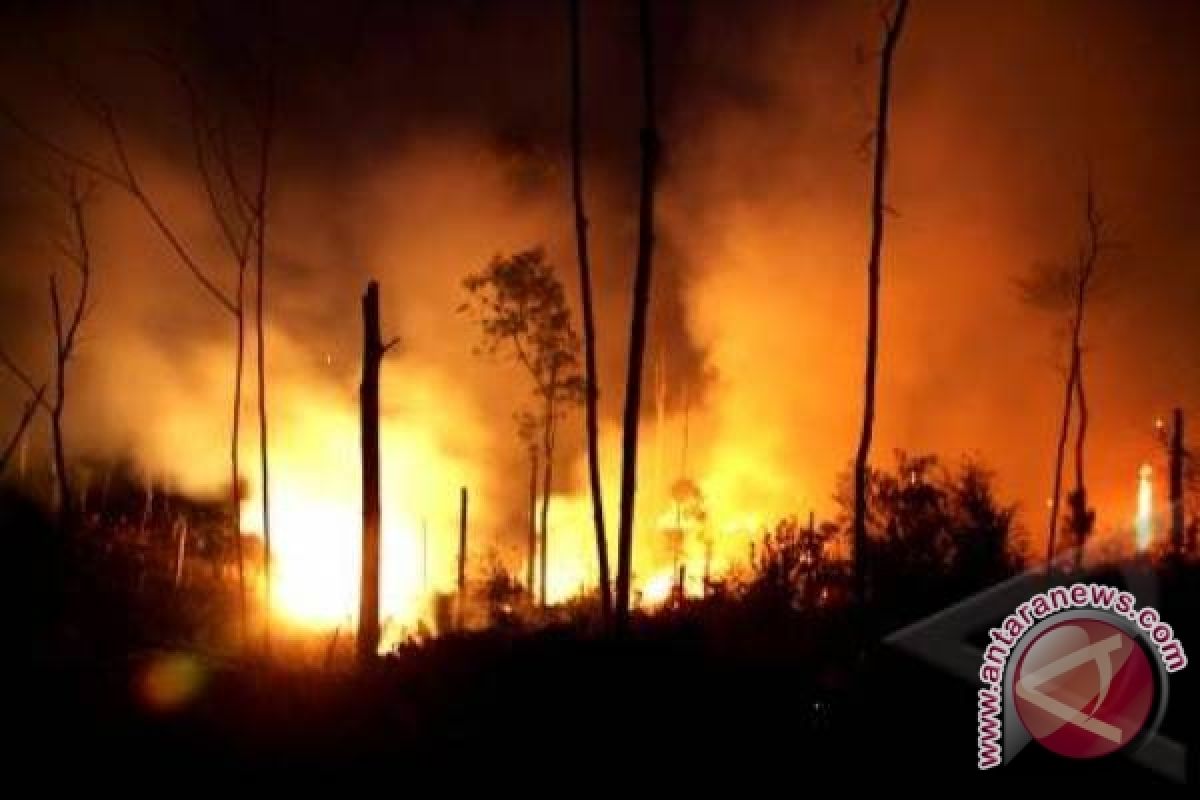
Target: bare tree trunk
181	531
235	498
460	606
637	325
1059	458
531	567
19	435
1082	517
589	322
878	207
368	611
62	479
547	484
1175	464
260	206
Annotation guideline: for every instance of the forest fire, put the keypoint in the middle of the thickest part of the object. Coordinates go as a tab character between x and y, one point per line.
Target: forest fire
442	377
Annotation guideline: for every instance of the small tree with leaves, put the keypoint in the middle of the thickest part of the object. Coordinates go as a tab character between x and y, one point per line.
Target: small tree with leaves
522	311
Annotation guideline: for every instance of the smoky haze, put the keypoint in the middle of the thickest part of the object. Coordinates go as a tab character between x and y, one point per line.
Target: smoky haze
416	141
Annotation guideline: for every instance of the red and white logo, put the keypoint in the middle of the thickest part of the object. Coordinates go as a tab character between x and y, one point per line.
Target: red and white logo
1084	688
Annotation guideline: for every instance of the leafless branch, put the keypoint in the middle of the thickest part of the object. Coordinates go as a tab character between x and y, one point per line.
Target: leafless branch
22	376
26	417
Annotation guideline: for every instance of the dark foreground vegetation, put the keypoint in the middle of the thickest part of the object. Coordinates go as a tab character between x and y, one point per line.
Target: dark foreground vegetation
771	680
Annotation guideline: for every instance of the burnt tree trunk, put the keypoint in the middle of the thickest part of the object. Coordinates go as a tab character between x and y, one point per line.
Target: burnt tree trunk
260	239
368	611
531	566
1082	518
18	436
462	556
547	484
235	455
878	207
591	396
1176	459
637	325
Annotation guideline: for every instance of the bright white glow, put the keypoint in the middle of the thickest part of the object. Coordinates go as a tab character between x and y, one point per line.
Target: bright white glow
1144	521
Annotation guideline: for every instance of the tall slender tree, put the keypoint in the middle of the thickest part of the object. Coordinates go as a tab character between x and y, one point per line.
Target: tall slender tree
78	252
591	387
1065	288
893	23
637	324
266	135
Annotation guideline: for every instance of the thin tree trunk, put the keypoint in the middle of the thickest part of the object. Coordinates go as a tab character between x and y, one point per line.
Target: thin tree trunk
1080	513
547	484
181	528
261	347
235	455
460	606
368	611
589	322
531	567
19	435
1059	458
878	207
637	326
62	479
1176	459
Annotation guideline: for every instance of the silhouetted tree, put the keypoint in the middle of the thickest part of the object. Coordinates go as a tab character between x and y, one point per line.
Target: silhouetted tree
521	305
237	199
893	24
1065	288
528	425
637	324
499	591
374	350
934	534
591	389
76	250
27	415
789	565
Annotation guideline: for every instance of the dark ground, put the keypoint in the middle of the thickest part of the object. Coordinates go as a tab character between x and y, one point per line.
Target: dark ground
714	695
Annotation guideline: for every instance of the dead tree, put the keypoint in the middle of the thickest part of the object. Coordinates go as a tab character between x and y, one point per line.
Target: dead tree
1175	458
77	252
237	213
31	409
1067	288
637	325
374	350
892	29
368	610
591	389
266	135
462	556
